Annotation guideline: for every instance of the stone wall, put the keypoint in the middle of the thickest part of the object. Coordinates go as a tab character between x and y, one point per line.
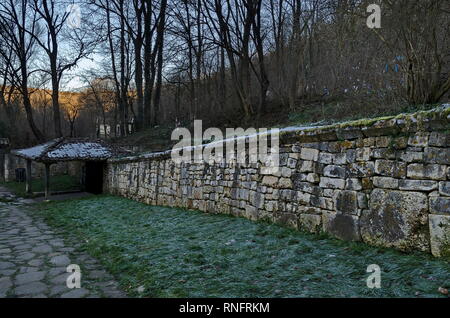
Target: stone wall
385	182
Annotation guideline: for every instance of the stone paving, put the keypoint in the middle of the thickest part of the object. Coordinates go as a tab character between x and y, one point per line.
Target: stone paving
34	259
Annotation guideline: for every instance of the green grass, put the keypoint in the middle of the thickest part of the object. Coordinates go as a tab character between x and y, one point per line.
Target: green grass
57	183
179	253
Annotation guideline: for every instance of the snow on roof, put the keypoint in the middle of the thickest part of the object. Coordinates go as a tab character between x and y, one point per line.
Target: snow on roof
67	149
80	150
36	151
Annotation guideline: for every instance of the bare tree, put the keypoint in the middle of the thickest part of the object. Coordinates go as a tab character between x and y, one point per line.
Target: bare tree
418	33
159	46
18	27
226	22
53	19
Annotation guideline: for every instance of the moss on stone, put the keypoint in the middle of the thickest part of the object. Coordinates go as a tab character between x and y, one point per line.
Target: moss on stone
414	121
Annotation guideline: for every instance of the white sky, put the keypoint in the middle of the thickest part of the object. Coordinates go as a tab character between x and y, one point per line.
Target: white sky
73	79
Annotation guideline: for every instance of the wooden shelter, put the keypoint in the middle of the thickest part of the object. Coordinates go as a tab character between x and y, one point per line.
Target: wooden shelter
93	152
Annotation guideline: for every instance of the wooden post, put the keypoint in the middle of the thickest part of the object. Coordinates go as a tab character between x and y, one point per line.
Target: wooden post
47	181
28	189
2	165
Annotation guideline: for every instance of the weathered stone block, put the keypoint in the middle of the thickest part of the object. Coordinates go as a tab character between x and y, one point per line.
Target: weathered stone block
299	184
270	181
251	213
329	192
367	183
283	158
286	219
440	235
332	183
340	158
369	142
383	141
339	146
271	206
411	156
292	163
385	182
438	139
334	171
310	222
353	184
313	145
309	154
383	153
362	201
257	199
440	205
307	166
329	203
303	198
350	155
197	193
444	188
313	178
326	158
419	139
323	147
349	133
400	143
286	172
342	226
285	183
287	195
381	127
418	185
327	134
414	149
318	202
431	171
307	136
346	202
396	219
237	212
361	169
437	155
390	168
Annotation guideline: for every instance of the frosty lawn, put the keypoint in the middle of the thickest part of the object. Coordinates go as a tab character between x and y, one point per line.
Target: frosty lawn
167	252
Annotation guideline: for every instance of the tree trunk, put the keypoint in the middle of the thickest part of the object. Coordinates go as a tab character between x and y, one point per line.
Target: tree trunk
160	48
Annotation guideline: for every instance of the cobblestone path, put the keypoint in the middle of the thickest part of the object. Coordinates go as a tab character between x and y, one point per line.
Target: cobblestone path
34	259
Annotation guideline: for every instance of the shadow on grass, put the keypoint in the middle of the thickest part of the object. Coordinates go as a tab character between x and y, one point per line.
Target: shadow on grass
57	183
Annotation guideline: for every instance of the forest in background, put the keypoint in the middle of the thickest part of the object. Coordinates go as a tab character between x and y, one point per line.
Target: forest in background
228	62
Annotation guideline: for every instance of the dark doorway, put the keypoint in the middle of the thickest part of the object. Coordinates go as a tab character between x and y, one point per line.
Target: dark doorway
94	177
